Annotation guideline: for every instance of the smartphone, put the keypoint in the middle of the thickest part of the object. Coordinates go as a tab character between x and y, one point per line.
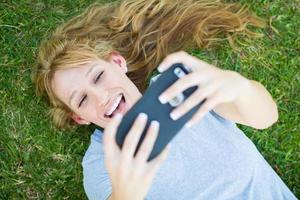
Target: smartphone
150	105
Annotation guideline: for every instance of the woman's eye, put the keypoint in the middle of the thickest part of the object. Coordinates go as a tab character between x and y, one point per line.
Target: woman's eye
98	77
82	100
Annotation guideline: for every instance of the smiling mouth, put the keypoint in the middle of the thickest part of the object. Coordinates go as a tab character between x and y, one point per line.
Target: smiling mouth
120	108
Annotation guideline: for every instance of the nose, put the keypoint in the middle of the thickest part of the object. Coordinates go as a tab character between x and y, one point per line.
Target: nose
100	96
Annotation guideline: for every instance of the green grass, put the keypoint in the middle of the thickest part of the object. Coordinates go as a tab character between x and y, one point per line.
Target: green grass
38	161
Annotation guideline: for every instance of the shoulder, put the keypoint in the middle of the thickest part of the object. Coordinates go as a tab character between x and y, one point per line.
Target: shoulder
95	176
95	149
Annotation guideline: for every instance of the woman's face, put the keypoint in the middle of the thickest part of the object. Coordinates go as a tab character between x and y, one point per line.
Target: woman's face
96	91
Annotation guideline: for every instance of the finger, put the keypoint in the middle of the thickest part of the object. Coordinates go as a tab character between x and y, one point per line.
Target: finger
109	142
199	77
170	60
180	85
156	163
198	96
181	57
148	143
133	138
209	104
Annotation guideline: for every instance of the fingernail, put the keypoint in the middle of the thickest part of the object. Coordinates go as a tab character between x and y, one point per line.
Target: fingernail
142	116
174	115
188	124
118	116
160	68
155	123
162	99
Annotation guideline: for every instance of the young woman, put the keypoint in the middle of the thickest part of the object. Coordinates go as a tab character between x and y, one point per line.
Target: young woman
94	68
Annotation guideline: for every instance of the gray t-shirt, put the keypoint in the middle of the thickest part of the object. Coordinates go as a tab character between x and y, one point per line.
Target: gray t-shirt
211	160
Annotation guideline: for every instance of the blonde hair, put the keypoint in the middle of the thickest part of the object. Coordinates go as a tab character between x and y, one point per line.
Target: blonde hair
142	31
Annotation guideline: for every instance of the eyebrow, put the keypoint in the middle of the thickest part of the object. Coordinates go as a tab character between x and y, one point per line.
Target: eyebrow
86	75
91	69
72	96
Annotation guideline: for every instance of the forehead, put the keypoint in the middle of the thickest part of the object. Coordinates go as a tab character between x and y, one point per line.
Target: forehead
65	81
68	77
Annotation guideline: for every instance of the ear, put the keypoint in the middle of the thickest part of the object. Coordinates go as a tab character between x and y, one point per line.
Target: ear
117	59
79	120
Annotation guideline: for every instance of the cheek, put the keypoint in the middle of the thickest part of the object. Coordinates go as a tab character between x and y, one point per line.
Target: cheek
87	111
116	81
116	77
91	114
90	111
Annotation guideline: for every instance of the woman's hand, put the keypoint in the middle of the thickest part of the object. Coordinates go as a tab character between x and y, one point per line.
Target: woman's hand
131	176
227	92
215	85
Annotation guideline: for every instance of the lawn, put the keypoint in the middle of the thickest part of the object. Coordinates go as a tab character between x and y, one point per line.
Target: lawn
37	161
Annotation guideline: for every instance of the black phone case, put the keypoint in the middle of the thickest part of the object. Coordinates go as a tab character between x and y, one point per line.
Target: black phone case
150	105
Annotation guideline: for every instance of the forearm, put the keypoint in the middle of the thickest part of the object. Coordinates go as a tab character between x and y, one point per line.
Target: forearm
113	197
256	106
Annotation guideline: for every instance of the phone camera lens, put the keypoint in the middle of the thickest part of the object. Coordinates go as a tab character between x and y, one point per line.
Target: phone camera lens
178	72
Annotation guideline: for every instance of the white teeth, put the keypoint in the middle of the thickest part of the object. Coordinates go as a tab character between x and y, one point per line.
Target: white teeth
114	105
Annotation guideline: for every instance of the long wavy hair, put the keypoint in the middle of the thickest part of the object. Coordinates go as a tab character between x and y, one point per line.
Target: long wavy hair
142	31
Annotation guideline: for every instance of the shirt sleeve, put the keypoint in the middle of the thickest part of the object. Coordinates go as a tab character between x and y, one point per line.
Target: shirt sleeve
221	119
96	180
